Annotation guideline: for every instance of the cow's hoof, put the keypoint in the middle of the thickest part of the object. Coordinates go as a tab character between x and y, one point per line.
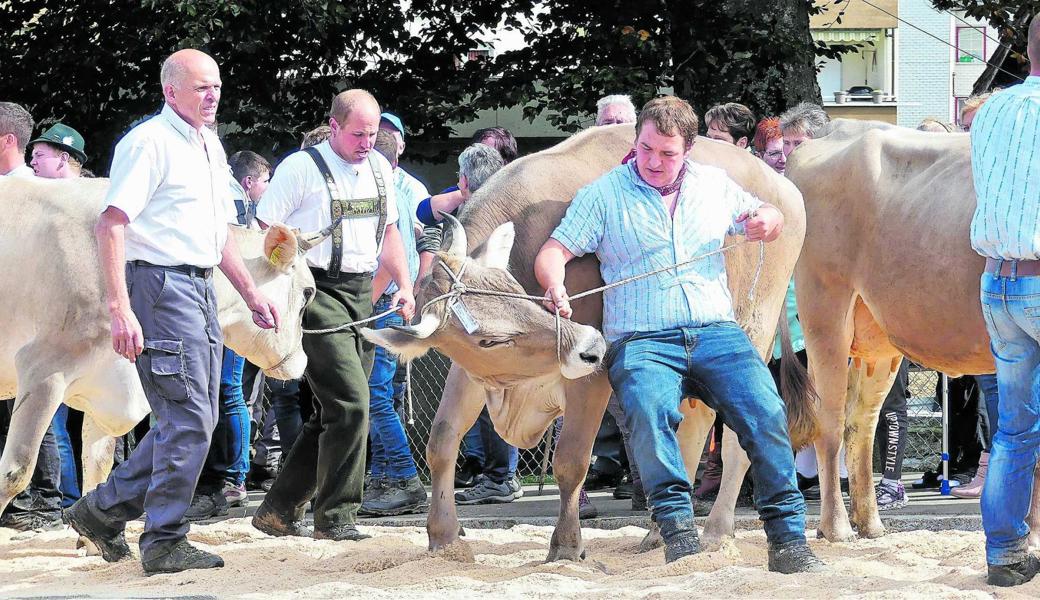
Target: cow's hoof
711	543
836	534
1034	540
458	551
652	541
87	546
872	531
574	553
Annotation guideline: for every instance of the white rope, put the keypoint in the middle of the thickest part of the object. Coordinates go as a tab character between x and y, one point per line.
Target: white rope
458	289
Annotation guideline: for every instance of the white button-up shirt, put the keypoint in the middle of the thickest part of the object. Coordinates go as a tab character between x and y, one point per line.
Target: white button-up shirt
299	197
21	172
1006	170
171	180
624	221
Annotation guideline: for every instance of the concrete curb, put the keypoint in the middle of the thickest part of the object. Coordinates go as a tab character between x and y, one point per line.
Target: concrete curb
743	522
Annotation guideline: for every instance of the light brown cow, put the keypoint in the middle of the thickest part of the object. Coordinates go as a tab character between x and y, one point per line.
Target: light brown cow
887	270
56	346
511	363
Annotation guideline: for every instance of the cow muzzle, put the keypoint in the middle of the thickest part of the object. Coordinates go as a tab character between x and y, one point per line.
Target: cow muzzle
586	354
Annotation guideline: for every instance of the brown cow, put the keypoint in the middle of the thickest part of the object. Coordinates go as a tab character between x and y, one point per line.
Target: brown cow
510	363
887	271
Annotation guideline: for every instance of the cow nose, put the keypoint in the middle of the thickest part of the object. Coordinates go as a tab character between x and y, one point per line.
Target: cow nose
589	357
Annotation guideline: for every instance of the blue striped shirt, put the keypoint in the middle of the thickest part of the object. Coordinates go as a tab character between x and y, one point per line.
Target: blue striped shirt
1006	169
409	192
624	221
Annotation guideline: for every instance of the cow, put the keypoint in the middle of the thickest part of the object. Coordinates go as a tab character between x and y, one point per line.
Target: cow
511	362
56	344
887	271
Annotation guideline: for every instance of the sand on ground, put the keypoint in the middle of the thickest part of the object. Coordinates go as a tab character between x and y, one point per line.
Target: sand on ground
503	564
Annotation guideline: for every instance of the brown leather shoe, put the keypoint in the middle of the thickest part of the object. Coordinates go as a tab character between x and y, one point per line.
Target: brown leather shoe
271	522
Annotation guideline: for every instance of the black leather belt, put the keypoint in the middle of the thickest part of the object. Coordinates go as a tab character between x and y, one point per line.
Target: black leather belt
188	270
344	275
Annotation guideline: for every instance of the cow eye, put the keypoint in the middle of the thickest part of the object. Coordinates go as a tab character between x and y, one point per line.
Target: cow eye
491	343
308	295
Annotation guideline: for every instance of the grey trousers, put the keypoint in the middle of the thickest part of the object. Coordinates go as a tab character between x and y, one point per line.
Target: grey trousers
180	372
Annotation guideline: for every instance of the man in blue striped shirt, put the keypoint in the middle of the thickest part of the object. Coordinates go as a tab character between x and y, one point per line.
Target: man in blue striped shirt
675	332
1006	230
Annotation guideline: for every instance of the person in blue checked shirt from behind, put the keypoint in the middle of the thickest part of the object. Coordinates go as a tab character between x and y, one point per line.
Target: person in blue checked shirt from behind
669	336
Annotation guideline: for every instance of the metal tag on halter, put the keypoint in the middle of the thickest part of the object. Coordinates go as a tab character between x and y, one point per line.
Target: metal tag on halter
467	320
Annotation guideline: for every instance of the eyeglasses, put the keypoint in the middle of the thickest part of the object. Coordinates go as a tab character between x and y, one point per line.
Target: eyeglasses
775	154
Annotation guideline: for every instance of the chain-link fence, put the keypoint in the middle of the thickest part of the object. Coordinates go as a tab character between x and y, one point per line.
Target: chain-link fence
427	382
924	429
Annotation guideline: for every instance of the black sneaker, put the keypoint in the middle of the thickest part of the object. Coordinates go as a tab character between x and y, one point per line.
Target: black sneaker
682	544
794	557
1014	574
178	556
107	536
623	491
486	492
374	487
340	533
207	506
398	497
32	520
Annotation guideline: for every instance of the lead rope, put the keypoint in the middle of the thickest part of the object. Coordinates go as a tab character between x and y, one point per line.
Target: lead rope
458	289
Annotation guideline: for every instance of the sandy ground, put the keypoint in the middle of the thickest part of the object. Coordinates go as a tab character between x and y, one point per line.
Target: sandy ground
501	564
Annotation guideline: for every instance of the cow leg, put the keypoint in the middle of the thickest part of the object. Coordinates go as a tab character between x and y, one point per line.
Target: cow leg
460	406
827	322
98	454
33	409
586	400
863	408
735	464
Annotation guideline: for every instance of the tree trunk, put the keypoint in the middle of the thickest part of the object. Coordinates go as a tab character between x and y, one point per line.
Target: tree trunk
756	52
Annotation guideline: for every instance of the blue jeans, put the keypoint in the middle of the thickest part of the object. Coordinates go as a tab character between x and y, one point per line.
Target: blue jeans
69	482
651	372
391	456
1011	307
988	405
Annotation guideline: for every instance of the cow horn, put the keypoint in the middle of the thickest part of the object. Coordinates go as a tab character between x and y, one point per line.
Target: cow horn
424	329
459	244
310	240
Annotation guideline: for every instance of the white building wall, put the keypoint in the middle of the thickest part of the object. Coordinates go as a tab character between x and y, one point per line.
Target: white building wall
925	64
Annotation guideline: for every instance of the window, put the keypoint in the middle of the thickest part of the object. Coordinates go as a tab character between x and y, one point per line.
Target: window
479	54
971	43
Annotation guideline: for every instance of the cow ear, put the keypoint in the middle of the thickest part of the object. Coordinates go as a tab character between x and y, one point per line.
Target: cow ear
280	247
498	247
406	347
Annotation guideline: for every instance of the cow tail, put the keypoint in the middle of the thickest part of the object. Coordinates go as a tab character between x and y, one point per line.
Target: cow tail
798	392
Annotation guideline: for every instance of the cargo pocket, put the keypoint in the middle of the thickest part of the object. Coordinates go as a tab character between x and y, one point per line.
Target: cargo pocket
168	368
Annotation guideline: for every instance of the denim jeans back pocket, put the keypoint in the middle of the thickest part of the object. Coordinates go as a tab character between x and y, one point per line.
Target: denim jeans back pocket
169	371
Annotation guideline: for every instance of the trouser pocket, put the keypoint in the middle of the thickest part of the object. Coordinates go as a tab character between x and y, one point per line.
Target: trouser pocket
168	368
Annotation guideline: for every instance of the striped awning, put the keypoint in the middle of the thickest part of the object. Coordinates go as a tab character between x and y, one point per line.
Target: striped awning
847	36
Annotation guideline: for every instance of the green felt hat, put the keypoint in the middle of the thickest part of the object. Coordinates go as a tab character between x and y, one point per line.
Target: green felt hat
66	138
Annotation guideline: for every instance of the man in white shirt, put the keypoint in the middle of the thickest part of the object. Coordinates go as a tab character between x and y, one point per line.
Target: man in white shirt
16	125
1006	172
164	228
339	182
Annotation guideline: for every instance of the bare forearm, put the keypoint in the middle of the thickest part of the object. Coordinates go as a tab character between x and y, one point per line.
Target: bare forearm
550	264
392	259
445	203
110	233
380	281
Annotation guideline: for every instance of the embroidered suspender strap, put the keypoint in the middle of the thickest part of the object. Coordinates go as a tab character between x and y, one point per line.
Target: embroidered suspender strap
335	209
381	191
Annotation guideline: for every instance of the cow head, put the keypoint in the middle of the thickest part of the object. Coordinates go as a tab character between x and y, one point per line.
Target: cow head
278	268
514	340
